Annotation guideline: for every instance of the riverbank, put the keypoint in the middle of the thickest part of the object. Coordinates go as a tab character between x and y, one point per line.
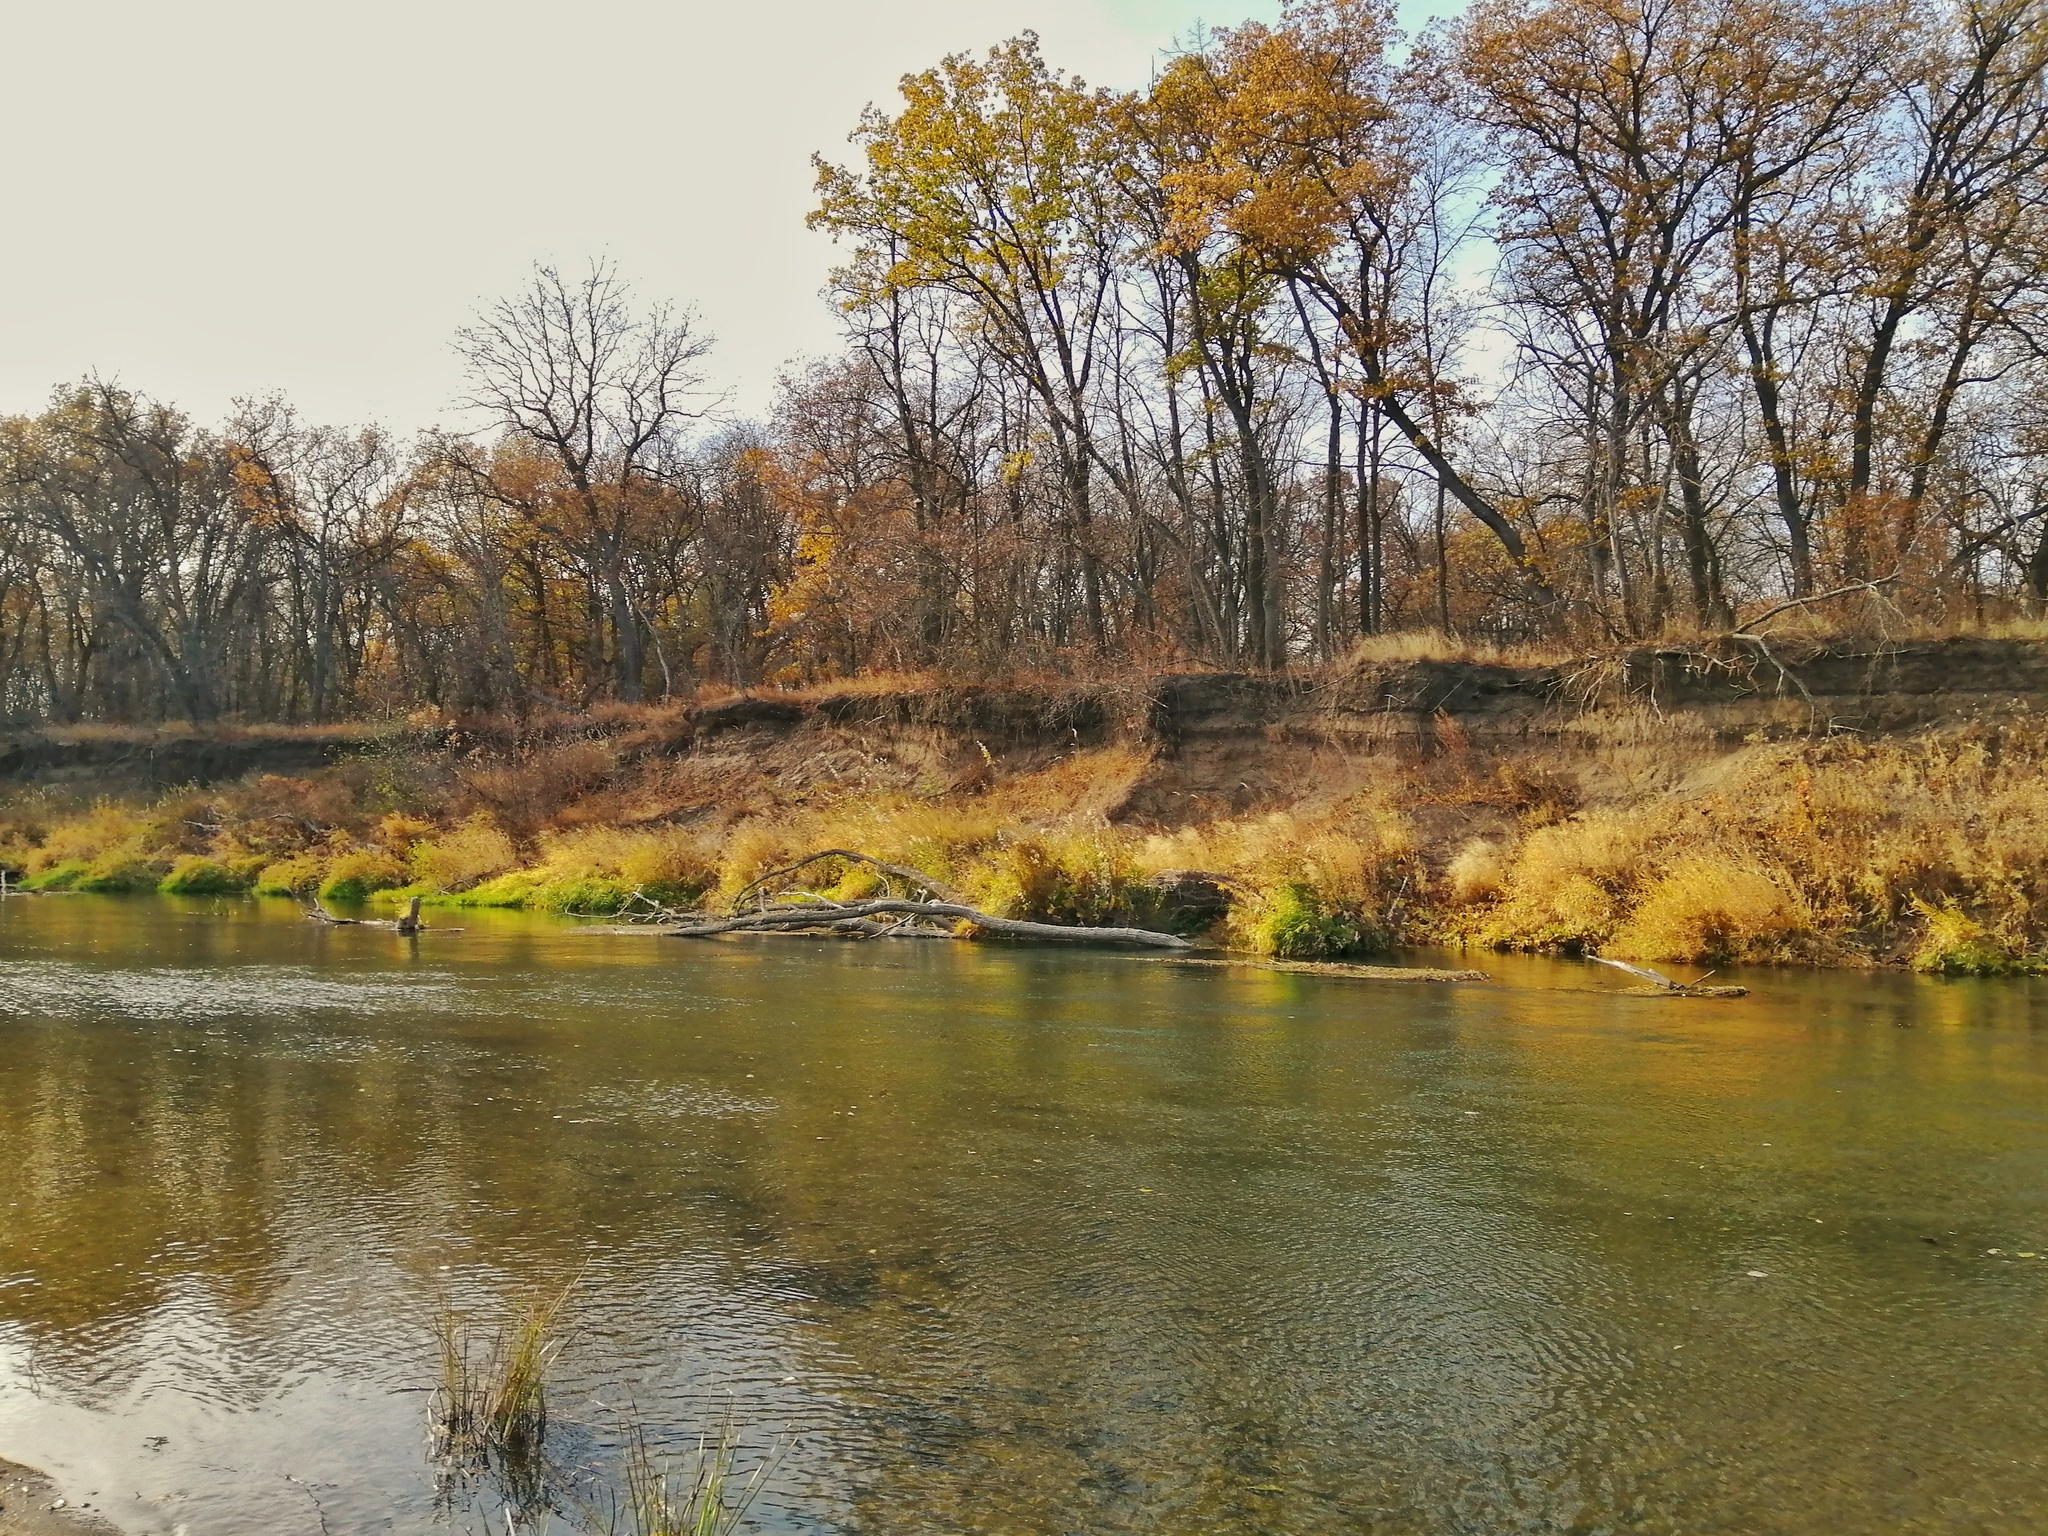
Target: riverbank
26	1500
1830	803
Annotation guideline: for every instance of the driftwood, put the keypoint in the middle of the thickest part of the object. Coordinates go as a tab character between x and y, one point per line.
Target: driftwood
1664	986
930	911
1341	968
1874	588
407	923
861	916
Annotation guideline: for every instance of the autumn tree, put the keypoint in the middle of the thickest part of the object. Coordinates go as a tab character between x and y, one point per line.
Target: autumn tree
606	392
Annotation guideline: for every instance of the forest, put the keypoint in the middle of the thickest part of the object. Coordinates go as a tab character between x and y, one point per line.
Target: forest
1595	321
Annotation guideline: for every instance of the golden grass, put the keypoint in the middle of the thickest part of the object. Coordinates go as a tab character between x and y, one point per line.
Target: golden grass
1413	645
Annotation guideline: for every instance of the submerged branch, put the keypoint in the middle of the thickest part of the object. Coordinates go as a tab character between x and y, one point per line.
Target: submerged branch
1665	986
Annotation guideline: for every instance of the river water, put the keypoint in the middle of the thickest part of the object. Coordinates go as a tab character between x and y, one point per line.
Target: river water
962	1238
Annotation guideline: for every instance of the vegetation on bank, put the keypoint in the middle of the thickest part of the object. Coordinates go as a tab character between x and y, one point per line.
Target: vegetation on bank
1930	850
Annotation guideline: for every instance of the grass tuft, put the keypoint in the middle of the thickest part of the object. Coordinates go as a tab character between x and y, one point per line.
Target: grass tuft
697	1495
492	1397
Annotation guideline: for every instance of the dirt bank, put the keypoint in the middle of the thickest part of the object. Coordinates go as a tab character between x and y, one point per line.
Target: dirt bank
1842	802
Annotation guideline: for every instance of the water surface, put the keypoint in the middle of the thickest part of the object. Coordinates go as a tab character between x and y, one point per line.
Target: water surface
977	1239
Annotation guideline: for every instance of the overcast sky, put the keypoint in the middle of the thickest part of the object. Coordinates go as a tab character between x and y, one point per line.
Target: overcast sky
217	198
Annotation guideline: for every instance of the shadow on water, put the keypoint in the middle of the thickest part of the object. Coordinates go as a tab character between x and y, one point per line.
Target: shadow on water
999	1240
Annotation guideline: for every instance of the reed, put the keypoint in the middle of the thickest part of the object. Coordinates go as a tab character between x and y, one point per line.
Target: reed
492	1397
695	1495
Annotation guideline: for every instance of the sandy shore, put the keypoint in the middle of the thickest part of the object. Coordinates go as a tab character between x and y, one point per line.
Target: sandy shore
25	1499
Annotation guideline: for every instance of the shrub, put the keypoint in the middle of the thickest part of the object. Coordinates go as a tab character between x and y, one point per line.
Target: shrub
1089	880
353	877
1568	885
1477	874
585	894
118	874
298	875
92	836
1711	909
61	876
1956	944
507	890
194	875
463	856
1294	923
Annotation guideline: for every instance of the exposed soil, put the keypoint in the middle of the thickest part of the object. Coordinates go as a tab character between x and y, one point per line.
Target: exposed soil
1466	743
26	1497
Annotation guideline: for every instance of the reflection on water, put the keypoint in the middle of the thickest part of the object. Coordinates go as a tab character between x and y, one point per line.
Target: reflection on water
1004	1241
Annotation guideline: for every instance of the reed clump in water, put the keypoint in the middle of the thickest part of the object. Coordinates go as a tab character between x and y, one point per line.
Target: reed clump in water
696	1495
492	1397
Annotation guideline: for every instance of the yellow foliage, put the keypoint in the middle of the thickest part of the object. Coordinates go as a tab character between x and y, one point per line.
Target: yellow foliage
1477	873
1709	909
471	851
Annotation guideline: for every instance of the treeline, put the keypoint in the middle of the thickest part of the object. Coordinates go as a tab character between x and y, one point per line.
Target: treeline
1588	318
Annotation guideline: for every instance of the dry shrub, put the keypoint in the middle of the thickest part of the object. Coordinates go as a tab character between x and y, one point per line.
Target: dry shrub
299	875
527	793
105	829
752	849
465	855
1705	908
1314	885
1568	884
396	832
278	814
1087	877
1477	872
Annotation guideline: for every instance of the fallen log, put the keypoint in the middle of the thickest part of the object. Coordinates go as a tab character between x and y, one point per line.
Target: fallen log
408	923
1343	968
851	915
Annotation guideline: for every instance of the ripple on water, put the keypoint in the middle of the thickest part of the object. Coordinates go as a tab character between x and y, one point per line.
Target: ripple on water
55	989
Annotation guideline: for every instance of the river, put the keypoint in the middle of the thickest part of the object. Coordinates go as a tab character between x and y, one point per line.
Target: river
967	1238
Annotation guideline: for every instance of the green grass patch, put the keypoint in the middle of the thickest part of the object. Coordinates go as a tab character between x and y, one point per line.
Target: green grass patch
1956	944
1295	924
194	875
355	877
61	876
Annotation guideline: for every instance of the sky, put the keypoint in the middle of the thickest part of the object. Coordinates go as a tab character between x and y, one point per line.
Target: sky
213	199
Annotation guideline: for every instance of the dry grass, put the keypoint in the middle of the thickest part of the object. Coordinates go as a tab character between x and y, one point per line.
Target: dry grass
1824	851
1413	645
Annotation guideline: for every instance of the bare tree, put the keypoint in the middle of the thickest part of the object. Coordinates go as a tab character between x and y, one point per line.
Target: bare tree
606	390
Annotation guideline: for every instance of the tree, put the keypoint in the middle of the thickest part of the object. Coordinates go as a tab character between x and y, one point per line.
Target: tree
991	184
606	392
